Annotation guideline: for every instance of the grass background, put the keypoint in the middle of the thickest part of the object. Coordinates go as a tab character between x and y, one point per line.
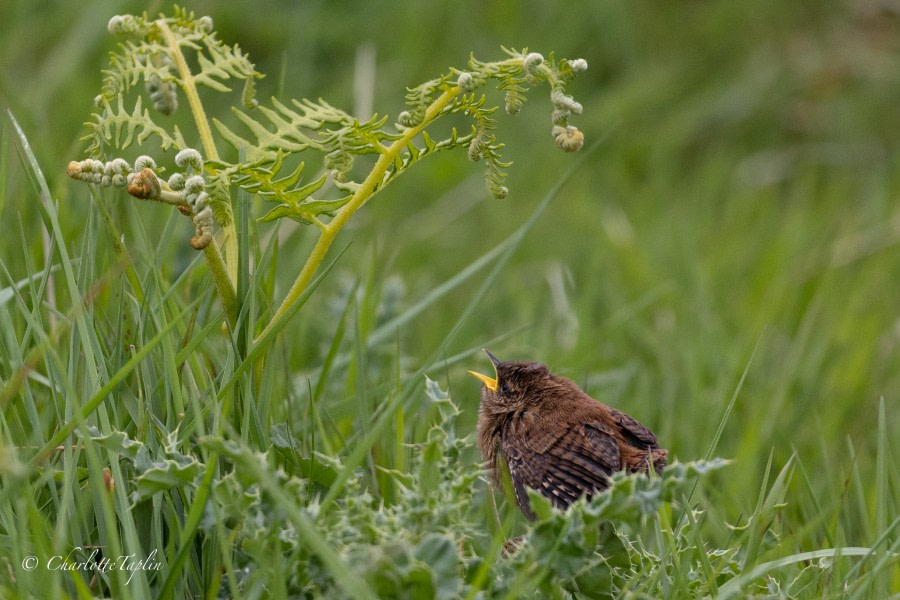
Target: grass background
744	192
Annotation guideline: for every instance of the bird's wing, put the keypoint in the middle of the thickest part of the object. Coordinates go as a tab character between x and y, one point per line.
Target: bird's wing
579	462
520	471
634	433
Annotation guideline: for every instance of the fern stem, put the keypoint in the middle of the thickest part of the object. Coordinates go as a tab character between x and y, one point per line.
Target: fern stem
190	90
224	271
225	289
360	197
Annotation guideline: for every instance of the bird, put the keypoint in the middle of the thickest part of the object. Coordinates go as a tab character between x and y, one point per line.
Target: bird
554	437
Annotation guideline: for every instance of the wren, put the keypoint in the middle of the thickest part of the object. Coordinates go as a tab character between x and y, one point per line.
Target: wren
554	437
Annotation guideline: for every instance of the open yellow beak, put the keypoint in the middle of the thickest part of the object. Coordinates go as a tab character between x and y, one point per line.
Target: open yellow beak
490	382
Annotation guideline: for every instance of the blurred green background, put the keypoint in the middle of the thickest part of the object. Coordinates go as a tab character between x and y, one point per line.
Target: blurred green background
744	191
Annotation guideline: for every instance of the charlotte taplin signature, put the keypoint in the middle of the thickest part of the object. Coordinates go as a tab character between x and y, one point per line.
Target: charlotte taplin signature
94	562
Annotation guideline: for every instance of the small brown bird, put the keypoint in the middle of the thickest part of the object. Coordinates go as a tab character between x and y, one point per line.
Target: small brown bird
555	438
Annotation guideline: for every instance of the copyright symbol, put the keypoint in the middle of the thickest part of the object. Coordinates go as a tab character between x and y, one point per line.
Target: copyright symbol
30	563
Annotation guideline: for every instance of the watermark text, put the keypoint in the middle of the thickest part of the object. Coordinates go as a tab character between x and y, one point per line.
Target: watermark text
90	559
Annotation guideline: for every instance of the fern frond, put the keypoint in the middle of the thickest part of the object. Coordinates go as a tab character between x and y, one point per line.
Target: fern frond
219	190
306	213
419	98
185	23
515	93
160	54
135	62
117	127
315	125
225	62
180	54
413	153
265	179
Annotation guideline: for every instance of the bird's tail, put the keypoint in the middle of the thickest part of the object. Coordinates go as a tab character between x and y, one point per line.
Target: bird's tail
659	458
639	461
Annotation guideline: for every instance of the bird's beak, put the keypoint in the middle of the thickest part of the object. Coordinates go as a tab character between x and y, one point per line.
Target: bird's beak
490	382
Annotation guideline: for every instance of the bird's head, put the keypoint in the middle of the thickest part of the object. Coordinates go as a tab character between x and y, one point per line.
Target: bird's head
514	384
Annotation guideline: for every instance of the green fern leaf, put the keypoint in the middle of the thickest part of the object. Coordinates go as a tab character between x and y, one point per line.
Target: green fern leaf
306	213
117	127
224	62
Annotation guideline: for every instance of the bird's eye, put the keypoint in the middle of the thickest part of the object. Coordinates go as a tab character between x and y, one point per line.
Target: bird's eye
504	388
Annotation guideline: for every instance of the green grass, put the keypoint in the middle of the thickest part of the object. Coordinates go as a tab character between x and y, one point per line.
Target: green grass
722	264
